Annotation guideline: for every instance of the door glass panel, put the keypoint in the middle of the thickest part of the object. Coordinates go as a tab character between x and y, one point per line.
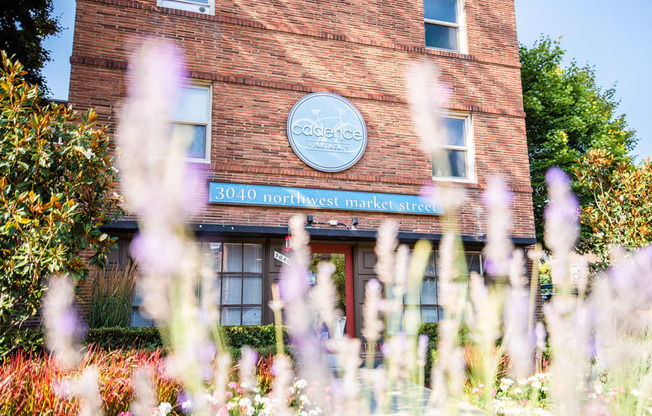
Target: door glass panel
339	277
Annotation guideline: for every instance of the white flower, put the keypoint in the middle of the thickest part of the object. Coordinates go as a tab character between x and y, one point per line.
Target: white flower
536	384
518	390
303	398
301	384
522	381
635	393
506	381
598	388
164	408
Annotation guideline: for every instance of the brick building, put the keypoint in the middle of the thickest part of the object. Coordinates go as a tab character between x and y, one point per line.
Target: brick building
275	150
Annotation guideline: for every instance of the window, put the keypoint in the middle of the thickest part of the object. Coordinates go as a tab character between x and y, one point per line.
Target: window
191	120
239	281
238	284
457	163
199	6
442	24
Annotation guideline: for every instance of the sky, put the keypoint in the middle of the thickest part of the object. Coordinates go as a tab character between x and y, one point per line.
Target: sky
615	37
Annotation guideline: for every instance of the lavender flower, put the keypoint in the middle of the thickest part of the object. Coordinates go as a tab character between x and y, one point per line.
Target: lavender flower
62	327
497	251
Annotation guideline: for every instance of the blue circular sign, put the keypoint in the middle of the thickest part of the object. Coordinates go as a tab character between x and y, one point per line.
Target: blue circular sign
327	132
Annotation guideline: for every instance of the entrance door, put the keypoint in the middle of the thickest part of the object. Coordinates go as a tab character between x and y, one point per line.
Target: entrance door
341	257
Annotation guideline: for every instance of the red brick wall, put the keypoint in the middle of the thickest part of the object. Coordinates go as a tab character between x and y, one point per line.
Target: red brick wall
261	56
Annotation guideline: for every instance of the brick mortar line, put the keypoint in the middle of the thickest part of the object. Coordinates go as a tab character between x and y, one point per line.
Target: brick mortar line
110	63
226	167
313	33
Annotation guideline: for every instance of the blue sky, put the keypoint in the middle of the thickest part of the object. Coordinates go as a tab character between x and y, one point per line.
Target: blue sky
613	36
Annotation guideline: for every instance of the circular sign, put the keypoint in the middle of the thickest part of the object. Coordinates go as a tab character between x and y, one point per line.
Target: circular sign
327	132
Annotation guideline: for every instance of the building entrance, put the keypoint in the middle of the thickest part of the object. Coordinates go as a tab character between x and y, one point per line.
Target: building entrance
341	257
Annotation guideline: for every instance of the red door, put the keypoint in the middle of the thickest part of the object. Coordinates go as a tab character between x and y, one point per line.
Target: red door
342	257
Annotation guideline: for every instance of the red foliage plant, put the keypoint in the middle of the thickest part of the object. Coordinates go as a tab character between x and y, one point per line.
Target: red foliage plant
28	383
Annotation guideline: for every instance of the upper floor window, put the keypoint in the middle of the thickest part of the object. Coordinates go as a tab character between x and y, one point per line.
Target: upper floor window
458	163
199	6
192	118
442	24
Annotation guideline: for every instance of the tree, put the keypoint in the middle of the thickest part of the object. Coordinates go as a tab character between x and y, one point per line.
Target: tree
619	212
24	24
56	189
567	115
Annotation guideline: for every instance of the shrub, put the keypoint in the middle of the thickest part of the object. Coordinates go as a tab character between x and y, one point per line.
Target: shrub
56	190
260	338
111	298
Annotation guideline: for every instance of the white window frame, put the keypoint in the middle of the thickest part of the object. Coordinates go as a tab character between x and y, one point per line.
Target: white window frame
461	34
469	149
207	124
189	5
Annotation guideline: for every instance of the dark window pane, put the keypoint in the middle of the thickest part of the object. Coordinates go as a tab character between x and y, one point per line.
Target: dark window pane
456	165
252	293
217	291
232	290
429	292
194	137
473	261
429	314
230	316
431	269
442	37
251	316
444	10
216	253
457	160
233	258
455	130
138	319
193	102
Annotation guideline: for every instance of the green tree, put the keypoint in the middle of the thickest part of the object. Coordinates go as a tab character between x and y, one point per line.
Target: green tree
567	115
24	24
56	190
620	208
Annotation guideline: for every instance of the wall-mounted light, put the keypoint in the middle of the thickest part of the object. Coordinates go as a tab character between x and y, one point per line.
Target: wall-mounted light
309	220
354	223
287	246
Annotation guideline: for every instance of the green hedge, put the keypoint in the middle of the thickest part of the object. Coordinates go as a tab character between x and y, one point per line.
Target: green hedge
260	338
